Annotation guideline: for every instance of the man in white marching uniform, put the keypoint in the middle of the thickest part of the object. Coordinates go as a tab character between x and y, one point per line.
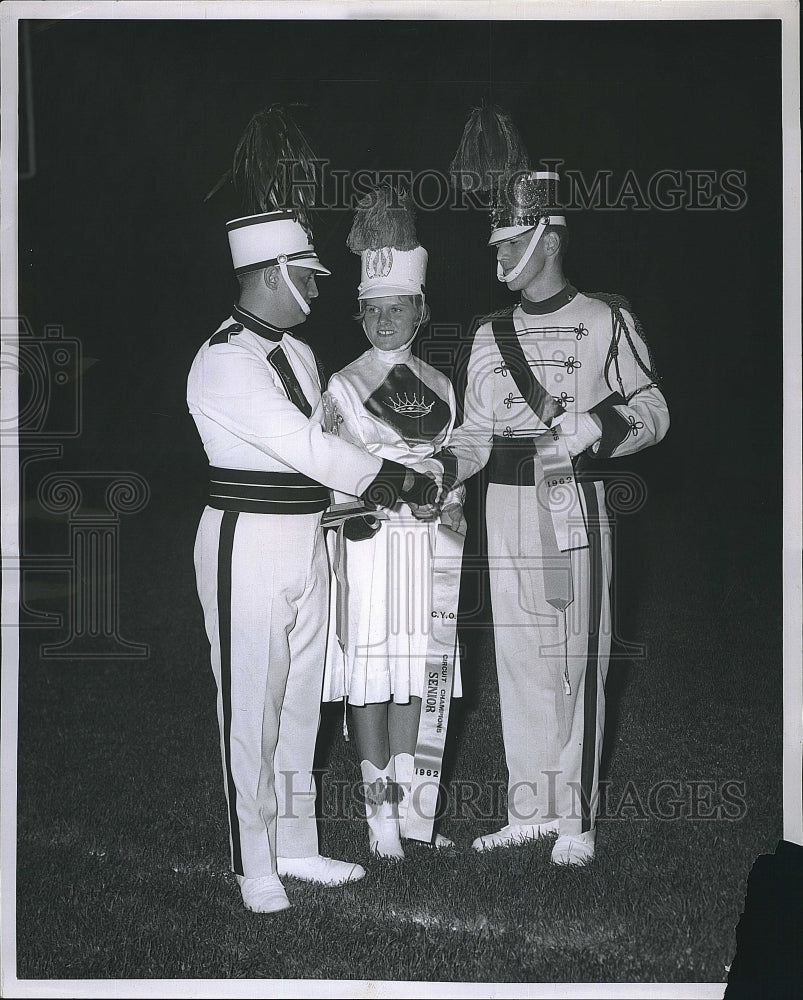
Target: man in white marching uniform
254	392
556	385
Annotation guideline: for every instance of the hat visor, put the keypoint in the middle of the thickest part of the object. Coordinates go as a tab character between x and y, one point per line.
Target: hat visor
381	289
505	233
309	262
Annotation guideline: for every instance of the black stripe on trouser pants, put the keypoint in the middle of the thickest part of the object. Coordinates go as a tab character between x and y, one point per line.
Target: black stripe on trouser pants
591	682
224	557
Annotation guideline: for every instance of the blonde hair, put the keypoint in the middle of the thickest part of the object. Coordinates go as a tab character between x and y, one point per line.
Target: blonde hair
423	309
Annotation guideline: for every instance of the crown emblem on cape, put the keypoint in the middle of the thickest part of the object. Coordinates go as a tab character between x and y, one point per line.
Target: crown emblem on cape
414	407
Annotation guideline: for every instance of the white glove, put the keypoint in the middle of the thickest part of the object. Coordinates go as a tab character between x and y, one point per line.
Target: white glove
580	431
452	514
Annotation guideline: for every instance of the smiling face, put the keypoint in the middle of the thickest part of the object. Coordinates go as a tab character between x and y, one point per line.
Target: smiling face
391	321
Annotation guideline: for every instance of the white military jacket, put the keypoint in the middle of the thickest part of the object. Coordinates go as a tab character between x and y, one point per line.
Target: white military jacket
566	341
255	394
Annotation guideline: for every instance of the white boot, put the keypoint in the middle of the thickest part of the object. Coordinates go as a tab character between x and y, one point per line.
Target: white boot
405	765
383	826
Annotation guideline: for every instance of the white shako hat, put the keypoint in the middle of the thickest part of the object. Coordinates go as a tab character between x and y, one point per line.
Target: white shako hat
271	238
392	261
525	200
388	271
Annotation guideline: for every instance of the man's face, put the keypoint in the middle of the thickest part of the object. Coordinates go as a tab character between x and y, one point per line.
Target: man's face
510	253
291	313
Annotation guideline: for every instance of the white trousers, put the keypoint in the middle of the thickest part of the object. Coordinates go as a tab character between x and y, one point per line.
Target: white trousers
551	665
263	584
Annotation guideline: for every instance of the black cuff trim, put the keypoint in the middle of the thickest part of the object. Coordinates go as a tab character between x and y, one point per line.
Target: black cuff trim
423	492
386	487
448	460
615	427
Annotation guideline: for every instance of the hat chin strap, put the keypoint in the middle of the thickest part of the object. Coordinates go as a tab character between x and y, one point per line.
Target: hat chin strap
512	275
304	305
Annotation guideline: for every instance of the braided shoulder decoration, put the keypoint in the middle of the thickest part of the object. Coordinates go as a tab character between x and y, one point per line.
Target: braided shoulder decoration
617	303
497	314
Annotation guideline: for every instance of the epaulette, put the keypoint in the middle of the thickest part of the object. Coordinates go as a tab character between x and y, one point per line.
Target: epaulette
617	303
223	336
498	314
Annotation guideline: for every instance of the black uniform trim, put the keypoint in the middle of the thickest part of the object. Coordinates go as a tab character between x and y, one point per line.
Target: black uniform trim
550	305
223	336
592	679
323	381
421	419
256	325
512	463
251	478
615	427
386	486
266	492
448	460
281	365
258	265
259	220
278	494
228	525
536	396
265	506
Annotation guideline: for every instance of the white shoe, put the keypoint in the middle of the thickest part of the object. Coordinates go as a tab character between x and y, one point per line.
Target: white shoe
514	834
574	849
263	895
326	871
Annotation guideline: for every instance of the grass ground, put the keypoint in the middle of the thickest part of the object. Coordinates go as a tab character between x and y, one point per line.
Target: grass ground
122	845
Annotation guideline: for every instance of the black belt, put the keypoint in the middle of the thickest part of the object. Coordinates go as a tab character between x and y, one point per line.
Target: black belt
266	492
512	463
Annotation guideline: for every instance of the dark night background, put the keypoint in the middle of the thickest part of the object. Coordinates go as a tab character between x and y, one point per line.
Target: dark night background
133	122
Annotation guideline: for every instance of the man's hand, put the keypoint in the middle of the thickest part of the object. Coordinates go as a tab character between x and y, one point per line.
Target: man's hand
580	431
420	490
427	512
